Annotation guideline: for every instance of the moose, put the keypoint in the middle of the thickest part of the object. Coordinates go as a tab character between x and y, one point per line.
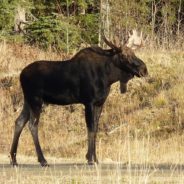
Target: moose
86	79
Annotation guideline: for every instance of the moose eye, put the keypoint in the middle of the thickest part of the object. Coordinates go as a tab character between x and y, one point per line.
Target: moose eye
136	63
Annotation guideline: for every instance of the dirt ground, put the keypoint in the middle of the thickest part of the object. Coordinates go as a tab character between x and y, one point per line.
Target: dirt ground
70	171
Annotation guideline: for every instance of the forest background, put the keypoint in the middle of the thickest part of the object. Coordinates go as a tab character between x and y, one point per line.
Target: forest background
66	25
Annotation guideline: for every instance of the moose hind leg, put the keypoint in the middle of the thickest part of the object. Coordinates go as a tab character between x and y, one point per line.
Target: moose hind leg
33	127
19	125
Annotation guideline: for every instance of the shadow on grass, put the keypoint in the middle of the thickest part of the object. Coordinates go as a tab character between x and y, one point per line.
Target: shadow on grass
101	166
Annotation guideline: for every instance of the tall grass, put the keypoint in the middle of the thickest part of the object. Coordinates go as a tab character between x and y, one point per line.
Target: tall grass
135	171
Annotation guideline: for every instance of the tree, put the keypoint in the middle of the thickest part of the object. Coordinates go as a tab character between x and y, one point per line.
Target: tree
53	32
161	20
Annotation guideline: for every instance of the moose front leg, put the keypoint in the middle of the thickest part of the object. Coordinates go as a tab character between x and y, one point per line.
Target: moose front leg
91	153
92	114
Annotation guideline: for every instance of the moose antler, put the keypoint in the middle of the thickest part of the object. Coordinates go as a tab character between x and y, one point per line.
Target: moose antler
135	40
109	43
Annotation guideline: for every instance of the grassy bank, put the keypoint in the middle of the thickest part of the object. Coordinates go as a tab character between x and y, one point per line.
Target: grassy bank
145	125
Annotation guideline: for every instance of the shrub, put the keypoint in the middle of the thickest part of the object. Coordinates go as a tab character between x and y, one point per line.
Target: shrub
55	32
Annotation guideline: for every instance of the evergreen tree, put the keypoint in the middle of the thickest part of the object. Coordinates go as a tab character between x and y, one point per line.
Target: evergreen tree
82	20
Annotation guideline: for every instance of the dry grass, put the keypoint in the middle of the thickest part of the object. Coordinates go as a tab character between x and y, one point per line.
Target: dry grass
143	126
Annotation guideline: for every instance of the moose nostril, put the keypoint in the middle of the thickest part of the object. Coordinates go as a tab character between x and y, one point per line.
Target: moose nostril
143	72
146	70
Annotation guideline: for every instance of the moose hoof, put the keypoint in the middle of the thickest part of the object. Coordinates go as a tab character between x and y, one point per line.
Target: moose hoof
13	164
44	164
93	162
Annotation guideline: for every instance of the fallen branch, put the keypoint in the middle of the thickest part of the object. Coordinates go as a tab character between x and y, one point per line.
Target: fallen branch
117	128
12	74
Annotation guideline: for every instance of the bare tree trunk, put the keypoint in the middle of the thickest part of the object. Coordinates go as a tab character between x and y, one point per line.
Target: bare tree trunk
20	17
164	43
100	25
82	11
153	17
67	31
179	19
126	26
107	18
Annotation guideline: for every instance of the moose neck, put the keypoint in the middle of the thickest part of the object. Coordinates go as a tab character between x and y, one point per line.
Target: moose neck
117	74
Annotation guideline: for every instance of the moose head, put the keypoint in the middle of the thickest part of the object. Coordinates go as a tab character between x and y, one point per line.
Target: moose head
126	59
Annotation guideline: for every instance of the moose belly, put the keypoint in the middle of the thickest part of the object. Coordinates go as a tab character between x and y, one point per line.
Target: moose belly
60	99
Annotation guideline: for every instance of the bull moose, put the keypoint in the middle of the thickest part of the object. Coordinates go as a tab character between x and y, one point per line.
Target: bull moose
86	79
